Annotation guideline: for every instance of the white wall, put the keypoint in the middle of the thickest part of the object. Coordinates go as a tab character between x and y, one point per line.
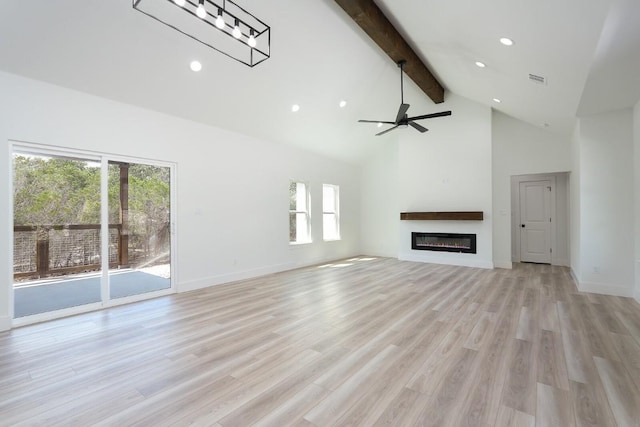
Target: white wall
574	210
232	196
448	169
636	195
380	209
561	254
607	250
519	148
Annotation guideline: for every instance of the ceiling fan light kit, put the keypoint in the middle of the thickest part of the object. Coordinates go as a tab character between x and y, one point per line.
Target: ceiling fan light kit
402	119
221	25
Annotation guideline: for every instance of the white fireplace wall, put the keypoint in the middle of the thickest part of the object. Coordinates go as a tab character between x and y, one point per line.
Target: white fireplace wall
447	169
380	209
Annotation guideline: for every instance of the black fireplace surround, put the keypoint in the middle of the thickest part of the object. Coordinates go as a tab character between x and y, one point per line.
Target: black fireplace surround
447	242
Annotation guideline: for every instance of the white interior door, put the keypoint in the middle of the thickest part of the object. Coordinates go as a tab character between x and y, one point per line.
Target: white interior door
535	221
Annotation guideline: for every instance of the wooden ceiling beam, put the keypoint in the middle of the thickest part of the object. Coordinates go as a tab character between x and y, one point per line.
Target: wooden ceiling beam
371	19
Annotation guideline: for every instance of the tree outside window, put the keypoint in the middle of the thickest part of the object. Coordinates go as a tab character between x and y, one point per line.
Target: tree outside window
299	215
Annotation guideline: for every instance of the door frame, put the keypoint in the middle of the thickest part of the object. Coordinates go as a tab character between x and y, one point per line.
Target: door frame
103	158
515	218
547	186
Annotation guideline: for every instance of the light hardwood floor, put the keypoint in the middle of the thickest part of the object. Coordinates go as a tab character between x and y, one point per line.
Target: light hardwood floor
365	342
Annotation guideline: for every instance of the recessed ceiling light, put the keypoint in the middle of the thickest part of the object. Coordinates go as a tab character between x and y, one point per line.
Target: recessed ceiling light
506	41
496	100
295	108
343	103
480	64
195	66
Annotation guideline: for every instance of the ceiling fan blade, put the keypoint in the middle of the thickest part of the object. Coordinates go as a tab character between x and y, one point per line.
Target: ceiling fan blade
431	116
388	130
418	127
376	121
401	112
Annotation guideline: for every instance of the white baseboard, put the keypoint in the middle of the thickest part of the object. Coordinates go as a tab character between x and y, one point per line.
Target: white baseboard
232	277
503	264
235	276
562	262
574	276
5	323
463	262
601	288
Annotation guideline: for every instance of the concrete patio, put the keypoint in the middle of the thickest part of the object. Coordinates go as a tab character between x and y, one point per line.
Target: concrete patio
41	296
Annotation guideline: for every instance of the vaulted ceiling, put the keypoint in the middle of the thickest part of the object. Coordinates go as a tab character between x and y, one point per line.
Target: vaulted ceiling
587	51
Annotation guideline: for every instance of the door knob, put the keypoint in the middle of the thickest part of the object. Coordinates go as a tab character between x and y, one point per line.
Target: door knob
522	225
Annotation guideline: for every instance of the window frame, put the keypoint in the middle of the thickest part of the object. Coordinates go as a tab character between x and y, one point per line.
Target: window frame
297	211
335	213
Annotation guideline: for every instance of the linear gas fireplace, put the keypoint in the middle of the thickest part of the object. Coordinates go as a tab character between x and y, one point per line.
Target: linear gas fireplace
447	242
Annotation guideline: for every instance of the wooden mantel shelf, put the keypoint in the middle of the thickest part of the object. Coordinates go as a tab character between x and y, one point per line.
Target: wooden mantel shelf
443	216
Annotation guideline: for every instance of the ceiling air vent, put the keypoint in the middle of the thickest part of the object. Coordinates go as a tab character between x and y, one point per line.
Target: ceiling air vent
538	79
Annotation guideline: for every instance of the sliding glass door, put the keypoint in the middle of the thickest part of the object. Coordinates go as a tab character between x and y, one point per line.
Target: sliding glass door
140	207
56	244
89	231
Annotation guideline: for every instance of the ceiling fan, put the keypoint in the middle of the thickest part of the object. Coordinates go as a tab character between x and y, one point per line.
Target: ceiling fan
402	120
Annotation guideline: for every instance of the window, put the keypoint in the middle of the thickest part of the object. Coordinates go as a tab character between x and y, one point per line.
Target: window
330	212
299	216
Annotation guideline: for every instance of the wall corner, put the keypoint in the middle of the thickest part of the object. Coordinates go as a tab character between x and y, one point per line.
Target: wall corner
5	323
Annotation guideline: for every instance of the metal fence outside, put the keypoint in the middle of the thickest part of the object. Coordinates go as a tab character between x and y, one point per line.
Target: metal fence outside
41	251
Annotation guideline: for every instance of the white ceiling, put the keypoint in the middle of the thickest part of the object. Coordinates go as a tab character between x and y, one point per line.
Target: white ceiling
319	56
